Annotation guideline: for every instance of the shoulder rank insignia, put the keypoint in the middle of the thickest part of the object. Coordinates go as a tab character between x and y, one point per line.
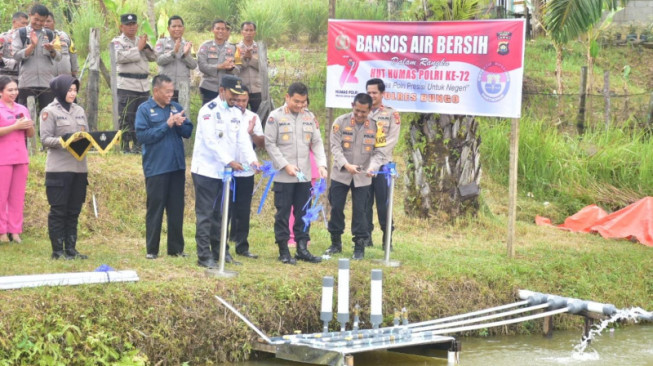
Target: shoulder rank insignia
212	105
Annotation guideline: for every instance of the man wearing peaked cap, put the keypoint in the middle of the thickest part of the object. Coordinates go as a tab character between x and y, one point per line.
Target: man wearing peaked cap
221	141
133	55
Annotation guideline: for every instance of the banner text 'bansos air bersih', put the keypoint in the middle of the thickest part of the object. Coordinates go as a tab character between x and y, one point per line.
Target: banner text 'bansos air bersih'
461	67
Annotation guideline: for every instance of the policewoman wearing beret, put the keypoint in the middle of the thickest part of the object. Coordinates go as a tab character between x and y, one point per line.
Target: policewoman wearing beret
65	176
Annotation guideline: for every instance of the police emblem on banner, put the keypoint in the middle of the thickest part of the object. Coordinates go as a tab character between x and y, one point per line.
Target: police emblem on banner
493	82
342	42
503	39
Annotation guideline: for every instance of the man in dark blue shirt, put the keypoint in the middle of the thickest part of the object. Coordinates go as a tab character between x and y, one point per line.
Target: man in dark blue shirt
160	125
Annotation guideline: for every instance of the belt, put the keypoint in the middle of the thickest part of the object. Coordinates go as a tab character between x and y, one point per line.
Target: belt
133	76
8	72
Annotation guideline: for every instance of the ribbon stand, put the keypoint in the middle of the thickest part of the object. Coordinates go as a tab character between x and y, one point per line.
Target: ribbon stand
227	177
391	174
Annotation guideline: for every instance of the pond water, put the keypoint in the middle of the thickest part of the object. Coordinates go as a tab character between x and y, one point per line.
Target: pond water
630	345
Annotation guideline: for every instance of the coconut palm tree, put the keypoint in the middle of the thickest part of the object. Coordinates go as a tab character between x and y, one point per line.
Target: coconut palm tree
565	20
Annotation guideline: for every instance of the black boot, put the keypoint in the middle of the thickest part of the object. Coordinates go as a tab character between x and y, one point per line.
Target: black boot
359	248
368	243
57	247
284	253
71	252
336	245
303	254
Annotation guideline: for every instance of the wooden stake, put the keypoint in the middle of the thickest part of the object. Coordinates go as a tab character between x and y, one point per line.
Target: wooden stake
93	85
580	120
606	97
114	88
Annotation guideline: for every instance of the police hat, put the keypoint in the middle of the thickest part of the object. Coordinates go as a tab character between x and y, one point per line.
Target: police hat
128	18
233	83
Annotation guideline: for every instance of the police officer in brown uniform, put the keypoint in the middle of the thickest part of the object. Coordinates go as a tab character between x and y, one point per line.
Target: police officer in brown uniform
387	120
291	133
354	162
34	51
133	55
9	66
62	42
216	58
247	56
173	55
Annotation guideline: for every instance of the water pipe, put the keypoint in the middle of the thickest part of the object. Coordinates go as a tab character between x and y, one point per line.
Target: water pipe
473	313
376	298
343	292
327	302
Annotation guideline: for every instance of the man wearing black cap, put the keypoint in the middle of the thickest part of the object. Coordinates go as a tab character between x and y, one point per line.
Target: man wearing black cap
132	56
221	141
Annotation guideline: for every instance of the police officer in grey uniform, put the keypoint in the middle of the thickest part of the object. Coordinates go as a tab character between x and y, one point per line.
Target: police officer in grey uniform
68	64
173	55
354	162
216	58
387	120
9	66
291	132
247	52
34	51
133	55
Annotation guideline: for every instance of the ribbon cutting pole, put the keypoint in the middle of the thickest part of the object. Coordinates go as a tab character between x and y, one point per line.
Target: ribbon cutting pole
227	177
391	173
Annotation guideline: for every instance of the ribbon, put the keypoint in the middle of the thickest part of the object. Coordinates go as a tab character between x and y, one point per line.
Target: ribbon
227	174
268	171
311	215
313	210
301	177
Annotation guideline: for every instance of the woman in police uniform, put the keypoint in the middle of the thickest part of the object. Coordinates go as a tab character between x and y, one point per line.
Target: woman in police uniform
65	176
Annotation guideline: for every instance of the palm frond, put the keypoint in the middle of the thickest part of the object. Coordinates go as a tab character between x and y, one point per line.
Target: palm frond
567	19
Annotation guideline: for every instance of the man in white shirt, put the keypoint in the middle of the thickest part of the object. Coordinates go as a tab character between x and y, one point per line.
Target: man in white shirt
221	141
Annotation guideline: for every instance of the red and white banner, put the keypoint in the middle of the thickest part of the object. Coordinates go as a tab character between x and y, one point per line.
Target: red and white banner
465	67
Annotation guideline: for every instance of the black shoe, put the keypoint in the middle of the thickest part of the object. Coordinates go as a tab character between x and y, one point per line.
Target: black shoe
359	248
207	263
229	259
304	255
369	243
181	255
248	254
287	259
334	249
74	254
151	256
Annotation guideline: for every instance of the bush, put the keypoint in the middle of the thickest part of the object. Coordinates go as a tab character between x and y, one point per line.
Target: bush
362	10
202	13
271	24
315	21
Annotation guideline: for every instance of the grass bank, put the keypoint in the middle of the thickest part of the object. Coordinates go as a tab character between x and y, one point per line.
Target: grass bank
170	316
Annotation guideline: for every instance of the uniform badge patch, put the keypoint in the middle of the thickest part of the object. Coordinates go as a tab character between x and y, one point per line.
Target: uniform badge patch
271	120
397	119
212	105
44	115
285	137
336	128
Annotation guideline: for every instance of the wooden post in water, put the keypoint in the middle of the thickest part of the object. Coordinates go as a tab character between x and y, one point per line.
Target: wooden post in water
512	185
580	120
31	141
93	86
547	327
606	97
114	88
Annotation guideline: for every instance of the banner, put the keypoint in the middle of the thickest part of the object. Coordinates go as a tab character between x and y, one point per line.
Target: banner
463	67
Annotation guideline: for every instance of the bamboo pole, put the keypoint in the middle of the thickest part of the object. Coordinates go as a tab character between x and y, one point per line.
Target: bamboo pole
93	85
114	87
31	141
512	185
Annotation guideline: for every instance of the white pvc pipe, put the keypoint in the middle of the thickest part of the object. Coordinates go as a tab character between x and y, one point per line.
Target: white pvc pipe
481	319
467	315
496	324
327	294
343	292
376	298
66	279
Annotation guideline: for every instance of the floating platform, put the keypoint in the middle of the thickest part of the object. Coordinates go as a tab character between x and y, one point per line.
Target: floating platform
339	348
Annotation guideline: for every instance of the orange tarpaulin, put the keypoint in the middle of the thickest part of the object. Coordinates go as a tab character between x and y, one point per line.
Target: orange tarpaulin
634	221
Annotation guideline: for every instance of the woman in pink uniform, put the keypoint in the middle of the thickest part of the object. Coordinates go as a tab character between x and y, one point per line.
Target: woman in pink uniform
15	126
